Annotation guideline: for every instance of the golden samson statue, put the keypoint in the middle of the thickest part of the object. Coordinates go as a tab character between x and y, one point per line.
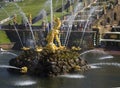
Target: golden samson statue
54	35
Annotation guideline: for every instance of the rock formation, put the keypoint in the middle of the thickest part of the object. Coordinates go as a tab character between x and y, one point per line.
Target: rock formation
47	63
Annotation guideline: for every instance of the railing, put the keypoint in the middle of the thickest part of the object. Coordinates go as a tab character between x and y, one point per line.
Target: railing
110	40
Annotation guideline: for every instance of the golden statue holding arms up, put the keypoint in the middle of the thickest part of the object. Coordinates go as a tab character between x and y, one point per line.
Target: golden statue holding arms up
54	34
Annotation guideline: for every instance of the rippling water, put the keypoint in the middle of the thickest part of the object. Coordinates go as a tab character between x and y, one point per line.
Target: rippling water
104	73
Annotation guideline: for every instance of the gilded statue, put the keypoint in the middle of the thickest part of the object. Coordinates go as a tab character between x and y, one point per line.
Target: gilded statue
54	35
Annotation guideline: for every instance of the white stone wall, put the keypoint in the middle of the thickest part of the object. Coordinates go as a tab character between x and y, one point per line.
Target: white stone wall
119	2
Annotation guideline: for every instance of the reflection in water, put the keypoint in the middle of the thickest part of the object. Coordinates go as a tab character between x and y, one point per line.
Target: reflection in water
106	57
24	83
109	64
72	76
94	67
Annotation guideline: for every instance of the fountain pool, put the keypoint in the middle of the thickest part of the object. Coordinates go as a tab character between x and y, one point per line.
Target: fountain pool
104	73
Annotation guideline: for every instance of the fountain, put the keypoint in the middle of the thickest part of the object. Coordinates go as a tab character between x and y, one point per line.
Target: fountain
7	66
43	56
70	21
27	21
14	22
14	17
51	60
57	60
7	52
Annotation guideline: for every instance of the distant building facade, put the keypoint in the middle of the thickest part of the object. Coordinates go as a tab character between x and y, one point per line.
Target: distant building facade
13	0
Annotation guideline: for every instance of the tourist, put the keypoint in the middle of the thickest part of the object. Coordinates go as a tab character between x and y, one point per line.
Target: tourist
78	26
73	27
43	25
62	28
9	25
49	26
47	29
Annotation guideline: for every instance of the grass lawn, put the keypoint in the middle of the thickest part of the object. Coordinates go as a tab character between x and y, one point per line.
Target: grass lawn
3	37
28	7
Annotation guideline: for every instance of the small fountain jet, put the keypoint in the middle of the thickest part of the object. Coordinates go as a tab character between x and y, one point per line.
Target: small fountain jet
6	19
2	50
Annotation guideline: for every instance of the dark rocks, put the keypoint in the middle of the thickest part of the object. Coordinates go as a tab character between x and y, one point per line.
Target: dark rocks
46	63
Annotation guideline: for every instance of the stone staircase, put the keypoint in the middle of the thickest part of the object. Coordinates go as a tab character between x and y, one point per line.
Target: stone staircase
106	21
108	26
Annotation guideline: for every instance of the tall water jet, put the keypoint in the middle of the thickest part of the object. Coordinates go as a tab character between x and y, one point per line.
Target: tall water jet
26	19
70	21
79	8
56	3
41	15
92	10
14	26
51	10
11	18
49	3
